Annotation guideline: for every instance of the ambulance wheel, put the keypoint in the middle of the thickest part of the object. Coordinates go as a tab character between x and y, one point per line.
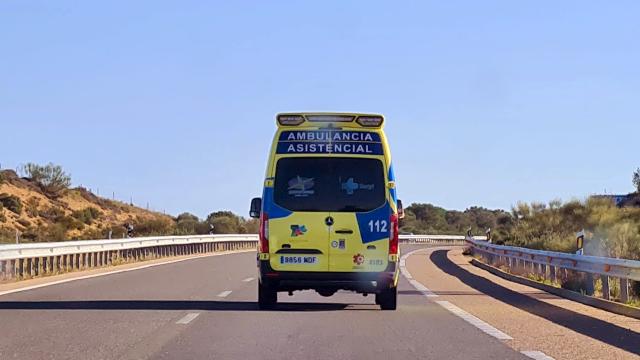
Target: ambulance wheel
388	298
267	297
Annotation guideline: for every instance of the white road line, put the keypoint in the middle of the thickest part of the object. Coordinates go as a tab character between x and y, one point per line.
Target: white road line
224	293
248	279
27	288
187	318
486	328
421	288
537	355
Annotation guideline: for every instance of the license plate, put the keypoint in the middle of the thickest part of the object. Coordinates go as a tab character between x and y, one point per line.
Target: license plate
299	260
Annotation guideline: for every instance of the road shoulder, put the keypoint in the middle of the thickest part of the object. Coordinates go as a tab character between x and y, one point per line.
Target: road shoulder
535	319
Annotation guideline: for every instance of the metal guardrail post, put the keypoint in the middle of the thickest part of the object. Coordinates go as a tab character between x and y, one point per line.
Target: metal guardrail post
562	267
624	290
552	273
606	292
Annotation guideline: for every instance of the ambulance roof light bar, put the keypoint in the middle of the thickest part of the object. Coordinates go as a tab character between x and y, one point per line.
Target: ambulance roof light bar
290	120
369	121
364	120
330	118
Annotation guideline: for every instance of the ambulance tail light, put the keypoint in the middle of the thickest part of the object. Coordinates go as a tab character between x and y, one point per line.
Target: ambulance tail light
290	120
370	121
393	235
263	237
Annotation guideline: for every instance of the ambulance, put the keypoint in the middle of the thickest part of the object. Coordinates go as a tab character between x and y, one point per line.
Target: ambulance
329	212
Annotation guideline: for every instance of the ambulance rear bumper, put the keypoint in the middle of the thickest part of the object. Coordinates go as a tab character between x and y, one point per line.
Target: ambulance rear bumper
368	282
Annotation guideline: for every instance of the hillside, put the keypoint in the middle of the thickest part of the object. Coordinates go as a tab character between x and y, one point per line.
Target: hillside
73	214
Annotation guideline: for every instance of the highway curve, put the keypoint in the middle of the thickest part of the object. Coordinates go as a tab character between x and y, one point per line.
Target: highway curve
205	308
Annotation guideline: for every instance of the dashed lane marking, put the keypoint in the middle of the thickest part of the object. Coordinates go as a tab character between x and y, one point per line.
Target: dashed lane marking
33	287
486	328
224	294
187	318
248	279
537	355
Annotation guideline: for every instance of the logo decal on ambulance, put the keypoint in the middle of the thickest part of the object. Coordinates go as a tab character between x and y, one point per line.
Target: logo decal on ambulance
301	186
358	259
298	230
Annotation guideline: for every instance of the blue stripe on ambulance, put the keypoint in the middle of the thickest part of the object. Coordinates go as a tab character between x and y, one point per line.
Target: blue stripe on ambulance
392	177
274	211
366	220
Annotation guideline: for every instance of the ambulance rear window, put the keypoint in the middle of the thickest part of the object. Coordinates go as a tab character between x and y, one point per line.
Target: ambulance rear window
329	184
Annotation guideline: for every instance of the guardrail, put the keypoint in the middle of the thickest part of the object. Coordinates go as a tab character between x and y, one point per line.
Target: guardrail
36	259
30	260
556	266
435	239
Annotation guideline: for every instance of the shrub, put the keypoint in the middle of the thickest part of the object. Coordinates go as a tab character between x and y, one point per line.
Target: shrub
154	226
251	226
51	178
70	223
52	214
55	232
32	207
87	215
225	222
187	224
7	236
11	202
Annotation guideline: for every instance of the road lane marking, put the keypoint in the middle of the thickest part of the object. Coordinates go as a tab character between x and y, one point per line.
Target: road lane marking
416	284
224	294
536	355
486	328
483	326
248	279
33	287
187	318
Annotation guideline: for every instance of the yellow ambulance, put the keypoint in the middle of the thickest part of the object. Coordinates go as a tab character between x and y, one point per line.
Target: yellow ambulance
329	212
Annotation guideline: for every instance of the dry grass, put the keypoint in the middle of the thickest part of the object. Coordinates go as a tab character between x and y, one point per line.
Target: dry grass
42	216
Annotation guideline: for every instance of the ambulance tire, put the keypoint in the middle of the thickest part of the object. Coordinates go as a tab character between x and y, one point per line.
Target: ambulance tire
388	298
267	297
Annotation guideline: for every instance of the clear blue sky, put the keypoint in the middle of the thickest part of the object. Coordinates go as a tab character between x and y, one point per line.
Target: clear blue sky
173	103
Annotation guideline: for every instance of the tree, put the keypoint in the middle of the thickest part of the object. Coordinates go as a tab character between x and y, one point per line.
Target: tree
636	179
187	224
51	178
225	222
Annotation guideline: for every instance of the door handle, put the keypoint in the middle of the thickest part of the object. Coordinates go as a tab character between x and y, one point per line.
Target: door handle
371	247
344	231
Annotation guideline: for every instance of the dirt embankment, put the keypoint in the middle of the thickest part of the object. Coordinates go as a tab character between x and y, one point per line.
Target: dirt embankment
74	214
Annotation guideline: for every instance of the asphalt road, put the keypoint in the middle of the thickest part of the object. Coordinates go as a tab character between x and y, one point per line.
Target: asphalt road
206	308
